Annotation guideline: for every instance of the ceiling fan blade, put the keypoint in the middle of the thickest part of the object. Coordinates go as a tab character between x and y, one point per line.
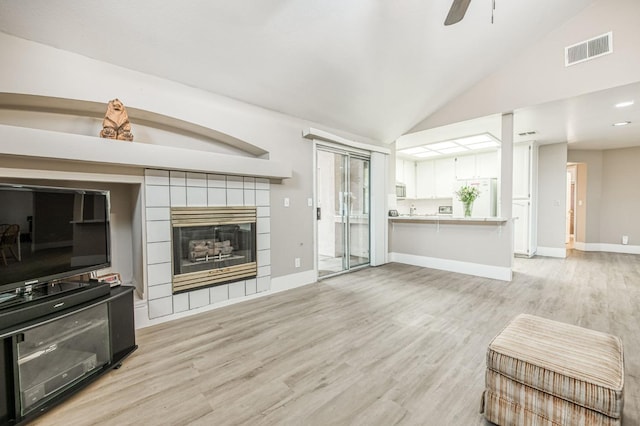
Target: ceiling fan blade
457	11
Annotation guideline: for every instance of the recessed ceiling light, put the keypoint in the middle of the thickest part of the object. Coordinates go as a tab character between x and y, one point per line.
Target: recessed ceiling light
412	151
442	145
621	123
624	104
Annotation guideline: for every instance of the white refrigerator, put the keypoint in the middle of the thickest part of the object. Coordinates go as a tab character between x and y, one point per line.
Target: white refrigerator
485	204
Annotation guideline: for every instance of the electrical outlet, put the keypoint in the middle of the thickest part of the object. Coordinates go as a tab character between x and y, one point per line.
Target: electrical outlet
625	239
310	202
297	262
286	201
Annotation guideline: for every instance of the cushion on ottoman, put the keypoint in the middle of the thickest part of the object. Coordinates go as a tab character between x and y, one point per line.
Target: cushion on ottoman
582	366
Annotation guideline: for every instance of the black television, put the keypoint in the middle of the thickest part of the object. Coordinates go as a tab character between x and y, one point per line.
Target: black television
62	232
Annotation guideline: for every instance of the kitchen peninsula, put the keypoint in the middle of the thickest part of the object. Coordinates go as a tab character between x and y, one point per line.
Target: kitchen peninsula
472	245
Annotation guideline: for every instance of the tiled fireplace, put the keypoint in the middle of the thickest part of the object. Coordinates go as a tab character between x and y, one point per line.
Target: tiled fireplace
168	193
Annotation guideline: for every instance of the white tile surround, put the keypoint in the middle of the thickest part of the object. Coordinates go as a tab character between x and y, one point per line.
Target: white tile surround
163	190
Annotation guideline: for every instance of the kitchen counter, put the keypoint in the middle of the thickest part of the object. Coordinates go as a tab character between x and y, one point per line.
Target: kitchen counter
448	219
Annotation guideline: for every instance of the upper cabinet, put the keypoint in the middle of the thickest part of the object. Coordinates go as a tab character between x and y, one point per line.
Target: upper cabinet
522	170
425	179
406	173
483	165
465	167
435	178
445	177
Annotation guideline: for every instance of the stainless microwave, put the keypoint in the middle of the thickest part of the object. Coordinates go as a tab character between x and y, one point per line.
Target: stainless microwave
401	190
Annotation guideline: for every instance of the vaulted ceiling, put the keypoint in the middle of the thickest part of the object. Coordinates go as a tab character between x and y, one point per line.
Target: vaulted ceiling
370	67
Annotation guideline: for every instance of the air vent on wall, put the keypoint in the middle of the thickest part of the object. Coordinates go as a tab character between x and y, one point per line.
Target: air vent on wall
589	49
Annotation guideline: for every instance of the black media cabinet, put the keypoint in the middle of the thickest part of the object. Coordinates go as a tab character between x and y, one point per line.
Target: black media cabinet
51	348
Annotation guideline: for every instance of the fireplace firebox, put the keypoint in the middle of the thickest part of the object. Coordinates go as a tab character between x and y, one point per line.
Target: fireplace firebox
212	246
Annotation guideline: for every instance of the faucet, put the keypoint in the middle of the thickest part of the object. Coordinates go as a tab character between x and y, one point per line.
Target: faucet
412	210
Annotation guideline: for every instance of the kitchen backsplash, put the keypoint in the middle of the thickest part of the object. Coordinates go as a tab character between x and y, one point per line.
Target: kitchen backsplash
422	206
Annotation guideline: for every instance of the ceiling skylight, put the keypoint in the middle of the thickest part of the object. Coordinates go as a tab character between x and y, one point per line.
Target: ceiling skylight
413	151
467	144
474	139
453	149
427	154
441	145
483	145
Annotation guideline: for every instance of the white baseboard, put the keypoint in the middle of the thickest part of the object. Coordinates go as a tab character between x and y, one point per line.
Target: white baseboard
291	281
611	248
487	271
287	282
551	252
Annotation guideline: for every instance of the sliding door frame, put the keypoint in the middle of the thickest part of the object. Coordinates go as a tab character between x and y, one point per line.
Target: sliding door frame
349	153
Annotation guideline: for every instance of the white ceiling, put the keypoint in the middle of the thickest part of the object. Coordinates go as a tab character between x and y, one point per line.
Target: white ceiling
373	68
585	122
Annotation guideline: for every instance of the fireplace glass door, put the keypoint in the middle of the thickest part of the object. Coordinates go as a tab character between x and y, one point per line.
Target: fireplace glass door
199	248
212	246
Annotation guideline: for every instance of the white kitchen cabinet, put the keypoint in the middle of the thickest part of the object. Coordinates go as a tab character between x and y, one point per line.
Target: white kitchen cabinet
425	179
410	178
522	170
473	166
521	224
487	164
465	167
525	198
445	172
406	173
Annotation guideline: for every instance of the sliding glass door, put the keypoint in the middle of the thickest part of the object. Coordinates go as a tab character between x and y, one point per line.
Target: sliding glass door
342	210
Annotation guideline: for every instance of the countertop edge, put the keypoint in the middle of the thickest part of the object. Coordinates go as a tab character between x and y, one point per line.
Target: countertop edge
487	220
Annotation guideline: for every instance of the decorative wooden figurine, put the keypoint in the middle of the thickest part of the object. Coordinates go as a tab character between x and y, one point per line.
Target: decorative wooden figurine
116	122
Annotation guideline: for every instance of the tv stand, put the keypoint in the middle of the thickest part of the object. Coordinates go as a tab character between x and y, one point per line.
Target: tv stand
48	298
46	356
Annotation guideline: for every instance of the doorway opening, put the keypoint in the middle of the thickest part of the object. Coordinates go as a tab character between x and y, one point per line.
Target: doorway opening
342	210
571	217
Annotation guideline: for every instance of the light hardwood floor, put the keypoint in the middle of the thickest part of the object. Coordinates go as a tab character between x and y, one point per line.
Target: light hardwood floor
395	344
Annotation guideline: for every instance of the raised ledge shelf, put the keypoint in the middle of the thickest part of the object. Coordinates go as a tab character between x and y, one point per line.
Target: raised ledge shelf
35	143
21	101
452	220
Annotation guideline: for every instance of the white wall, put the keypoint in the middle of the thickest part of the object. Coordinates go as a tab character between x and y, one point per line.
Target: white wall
611	197
35	69
552	178
581	200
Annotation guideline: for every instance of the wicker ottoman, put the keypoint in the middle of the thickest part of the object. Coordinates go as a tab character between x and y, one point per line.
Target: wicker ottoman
542	372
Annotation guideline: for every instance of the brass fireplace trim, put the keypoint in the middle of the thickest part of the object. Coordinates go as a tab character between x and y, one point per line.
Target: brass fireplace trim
210	277
206	216
212	216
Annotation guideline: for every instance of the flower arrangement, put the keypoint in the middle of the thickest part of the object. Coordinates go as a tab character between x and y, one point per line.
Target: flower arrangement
468	194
